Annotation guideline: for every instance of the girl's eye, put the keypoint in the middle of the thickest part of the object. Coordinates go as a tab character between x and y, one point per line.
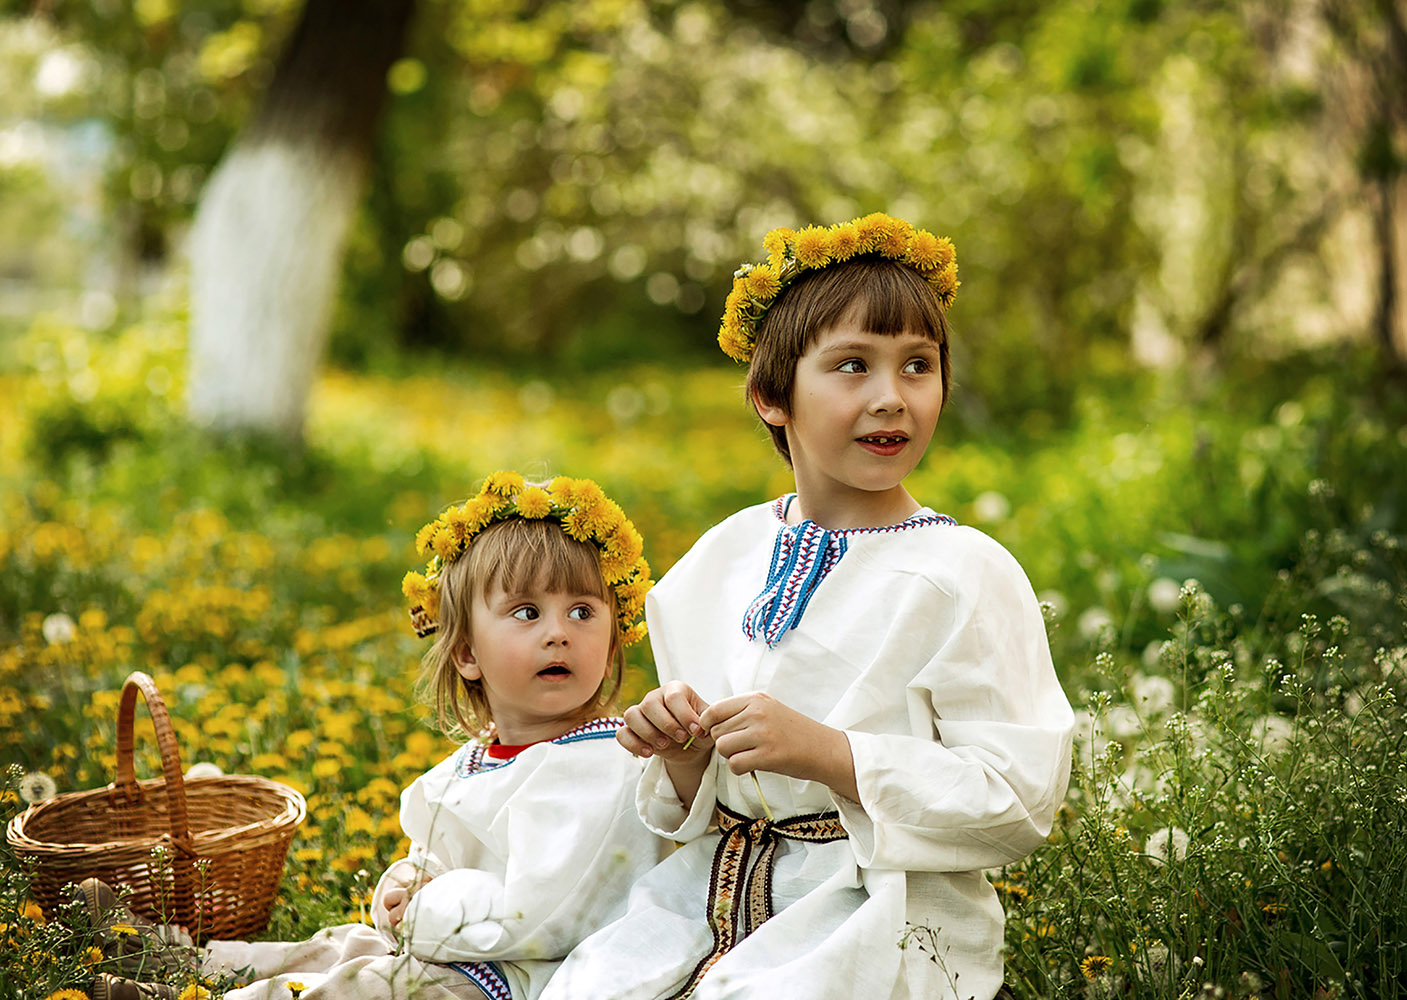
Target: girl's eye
852	367
580	613
526	613
918	366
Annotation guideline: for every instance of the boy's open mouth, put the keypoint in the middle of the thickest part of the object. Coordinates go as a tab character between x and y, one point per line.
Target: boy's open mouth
883	439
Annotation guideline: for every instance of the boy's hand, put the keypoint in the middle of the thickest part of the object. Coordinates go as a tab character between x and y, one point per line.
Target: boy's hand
756	732
664	723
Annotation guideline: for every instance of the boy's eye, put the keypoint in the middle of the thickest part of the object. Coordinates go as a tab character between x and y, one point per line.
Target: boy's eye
580	613
918	366
854	366
526	613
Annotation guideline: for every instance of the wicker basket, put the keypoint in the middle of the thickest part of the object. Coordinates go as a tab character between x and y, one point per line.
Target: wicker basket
240	827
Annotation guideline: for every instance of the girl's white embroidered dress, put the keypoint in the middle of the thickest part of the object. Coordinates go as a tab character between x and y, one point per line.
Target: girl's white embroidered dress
526	857
925	644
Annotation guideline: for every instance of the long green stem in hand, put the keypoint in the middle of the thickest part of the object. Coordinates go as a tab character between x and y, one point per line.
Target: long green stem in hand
765	807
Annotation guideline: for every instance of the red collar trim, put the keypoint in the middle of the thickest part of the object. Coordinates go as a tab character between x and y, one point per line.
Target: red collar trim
507	751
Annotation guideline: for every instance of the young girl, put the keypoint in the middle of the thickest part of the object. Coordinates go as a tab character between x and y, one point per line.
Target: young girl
525	839
857	688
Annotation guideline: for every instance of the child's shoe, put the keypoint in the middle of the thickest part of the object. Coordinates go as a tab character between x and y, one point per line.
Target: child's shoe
107	987
138	946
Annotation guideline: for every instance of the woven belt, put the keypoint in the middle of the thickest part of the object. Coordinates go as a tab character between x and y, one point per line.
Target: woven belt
742	874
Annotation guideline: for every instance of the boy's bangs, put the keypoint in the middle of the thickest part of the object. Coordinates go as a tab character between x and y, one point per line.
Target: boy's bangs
881	297
521	556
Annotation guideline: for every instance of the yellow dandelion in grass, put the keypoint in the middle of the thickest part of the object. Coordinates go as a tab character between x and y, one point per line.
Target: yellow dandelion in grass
534	503
92	955
762	282
504	483
67	995
775	242
845	241
813	247
122	930
195	991
1095	966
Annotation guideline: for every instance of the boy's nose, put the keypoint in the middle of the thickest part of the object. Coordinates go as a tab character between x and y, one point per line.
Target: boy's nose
887	398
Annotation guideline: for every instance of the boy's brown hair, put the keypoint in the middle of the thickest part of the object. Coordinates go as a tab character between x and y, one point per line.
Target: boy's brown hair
889	298
517	555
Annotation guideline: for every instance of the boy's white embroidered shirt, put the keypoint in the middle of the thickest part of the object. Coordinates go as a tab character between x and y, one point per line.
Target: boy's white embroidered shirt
525	856
927	647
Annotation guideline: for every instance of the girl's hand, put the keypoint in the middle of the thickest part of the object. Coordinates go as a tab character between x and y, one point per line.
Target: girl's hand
756	732
396	899
665	723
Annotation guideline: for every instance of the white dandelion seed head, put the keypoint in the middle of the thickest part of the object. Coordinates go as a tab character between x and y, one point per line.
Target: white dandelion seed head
991	507
1273	733
1153	693
58	629
1164	594
1093	621
36	786
1057	601
1168	844
204	769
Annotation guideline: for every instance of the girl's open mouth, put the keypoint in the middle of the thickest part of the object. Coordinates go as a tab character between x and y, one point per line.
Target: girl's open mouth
555	670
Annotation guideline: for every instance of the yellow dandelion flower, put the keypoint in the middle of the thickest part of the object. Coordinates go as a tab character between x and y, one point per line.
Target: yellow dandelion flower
615	567
424	535
733	343
444	543
32	911
603	518
588	494
947	253
563	490
573	526
845	241
67	995
478	512
457	521
762	283
873	229
634	634
414	587
194	991
813	247
295	988
775	242
534	503
895	242
1095	966
92	955
504	483
924	252
122	930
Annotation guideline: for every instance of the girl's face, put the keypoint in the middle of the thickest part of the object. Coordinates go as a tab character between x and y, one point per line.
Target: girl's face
863	410
541	657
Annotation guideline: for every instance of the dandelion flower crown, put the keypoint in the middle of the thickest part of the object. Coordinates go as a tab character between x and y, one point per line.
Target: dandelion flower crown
792	253
579	506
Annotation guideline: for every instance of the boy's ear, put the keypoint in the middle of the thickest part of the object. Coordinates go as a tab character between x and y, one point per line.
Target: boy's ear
465	663
770	413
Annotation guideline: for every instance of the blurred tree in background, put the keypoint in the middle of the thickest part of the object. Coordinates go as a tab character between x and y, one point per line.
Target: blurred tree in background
1128	183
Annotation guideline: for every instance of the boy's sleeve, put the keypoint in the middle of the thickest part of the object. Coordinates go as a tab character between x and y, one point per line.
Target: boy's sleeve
982	790
574	846
659	805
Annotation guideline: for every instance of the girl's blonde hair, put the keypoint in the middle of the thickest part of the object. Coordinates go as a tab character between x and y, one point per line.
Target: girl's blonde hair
517	555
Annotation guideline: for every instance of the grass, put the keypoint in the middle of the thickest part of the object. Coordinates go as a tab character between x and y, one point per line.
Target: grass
1236	820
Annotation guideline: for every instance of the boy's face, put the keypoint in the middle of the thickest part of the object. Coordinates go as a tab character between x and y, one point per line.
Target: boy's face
541	656
863	410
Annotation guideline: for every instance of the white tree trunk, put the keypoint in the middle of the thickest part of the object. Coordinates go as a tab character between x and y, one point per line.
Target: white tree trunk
266	256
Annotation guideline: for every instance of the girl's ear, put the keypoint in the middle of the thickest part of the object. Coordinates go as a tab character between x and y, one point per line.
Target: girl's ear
465	663
770	413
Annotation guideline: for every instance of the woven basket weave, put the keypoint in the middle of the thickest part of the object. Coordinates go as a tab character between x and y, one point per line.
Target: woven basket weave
239	826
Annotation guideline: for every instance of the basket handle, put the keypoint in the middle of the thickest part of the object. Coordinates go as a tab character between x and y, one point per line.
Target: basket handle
138	682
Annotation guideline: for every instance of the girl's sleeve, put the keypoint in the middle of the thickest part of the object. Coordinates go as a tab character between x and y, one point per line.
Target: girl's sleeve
574	846
981	786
